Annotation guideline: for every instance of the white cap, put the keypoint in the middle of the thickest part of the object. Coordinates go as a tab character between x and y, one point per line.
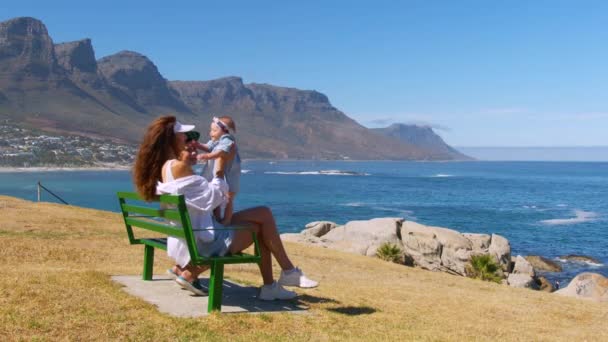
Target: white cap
180	128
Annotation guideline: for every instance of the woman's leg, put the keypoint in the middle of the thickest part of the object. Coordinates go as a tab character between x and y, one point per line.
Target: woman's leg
191	273
266	265
262	222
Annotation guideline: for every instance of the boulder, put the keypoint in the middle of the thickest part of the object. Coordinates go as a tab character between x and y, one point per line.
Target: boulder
422	247
431	248
500	249
436	248
522	266
479	242
364	237
299	238
591	286
455	250
543	264
544	284
522	281
318	228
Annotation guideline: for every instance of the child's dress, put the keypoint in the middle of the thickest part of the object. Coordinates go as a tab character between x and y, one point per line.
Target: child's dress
232	170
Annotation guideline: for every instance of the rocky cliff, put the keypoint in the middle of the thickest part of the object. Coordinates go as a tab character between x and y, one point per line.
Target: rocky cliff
56	87
137	76
423	137
26	50
290	123
63	87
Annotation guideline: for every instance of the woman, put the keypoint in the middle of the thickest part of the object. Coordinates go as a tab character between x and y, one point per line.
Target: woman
164	165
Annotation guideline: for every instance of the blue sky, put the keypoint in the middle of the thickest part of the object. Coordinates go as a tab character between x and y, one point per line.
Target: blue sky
484	73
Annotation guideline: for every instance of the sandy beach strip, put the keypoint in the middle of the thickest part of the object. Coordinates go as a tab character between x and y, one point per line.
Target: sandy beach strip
105	167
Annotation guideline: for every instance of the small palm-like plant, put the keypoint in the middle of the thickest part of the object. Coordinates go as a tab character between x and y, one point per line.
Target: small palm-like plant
390	252
484	267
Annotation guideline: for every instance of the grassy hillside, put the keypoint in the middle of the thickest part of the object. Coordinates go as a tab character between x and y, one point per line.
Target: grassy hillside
56	284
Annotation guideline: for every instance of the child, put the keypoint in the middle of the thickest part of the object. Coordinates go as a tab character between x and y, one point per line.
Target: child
222	143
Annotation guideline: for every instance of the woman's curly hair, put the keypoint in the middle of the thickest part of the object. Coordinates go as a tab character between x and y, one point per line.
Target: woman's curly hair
159	145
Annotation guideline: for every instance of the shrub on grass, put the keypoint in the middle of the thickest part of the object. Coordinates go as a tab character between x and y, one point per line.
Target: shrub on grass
390	252
484	267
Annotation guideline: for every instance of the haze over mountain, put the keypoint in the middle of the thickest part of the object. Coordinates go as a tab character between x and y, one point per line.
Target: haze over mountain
63	87
420	136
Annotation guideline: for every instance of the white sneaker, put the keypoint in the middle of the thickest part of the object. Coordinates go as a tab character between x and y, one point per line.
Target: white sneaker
275	291
297	278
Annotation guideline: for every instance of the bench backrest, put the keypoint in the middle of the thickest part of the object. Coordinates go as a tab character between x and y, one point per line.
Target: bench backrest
155	216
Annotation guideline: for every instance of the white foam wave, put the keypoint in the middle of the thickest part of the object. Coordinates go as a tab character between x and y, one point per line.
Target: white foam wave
320	172
245	171
441	175
354	204
292	172
594	264
580	217
402	212
590	263
534	207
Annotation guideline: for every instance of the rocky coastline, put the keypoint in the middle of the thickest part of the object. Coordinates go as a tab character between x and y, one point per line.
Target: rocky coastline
447	250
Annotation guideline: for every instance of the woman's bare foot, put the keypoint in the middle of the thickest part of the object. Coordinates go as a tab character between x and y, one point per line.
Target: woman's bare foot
176	270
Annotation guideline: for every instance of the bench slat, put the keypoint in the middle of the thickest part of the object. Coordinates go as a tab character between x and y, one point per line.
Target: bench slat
237	259
157	227
156	243
129	195
170	199
164	213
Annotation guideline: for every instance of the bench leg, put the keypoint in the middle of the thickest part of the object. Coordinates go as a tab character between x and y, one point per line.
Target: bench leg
216	282
148	262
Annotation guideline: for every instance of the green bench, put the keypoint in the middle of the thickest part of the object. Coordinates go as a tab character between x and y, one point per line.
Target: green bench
152	216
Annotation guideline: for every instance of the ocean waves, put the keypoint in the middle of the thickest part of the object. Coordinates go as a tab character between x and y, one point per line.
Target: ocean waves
340	173
320	172
581	262
580	216
409	214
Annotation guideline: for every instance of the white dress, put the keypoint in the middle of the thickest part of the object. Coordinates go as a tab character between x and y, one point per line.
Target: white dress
201	198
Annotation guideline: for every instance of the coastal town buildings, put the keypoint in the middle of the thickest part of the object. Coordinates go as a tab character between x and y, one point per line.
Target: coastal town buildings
21	147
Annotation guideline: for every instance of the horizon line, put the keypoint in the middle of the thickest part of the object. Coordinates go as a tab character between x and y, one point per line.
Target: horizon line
539	146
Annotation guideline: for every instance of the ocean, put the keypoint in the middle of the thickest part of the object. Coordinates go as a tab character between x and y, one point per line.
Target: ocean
544	208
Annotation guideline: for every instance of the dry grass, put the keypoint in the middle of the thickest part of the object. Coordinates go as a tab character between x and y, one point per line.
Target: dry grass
56	286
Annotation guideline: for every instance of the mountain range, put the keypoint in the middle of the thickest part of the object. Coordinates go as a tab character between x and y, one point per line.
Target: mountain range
64	88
